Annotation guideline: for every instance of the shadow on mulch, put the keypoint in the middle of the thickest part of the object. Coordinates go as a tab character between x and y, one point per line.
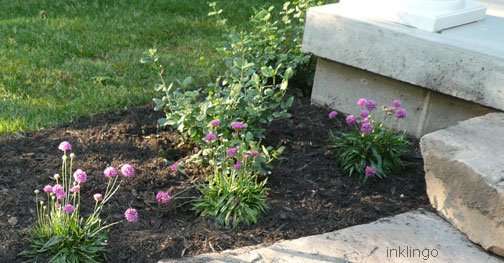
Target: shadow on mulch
308	193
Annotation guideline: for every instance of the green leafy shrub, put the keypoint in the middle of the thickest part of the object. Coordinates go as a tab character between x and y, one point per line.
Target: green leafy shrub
369	148
60	233
251	91
258	64
255	98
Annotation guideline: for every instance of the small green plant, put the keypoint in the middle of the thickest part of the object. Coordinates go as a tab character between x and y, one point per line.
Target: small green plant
60	233
370	149
232	197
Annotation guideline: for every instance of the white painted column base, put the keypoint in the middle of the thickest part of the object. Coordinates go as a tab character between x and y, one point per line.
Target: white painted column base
471	11
428	15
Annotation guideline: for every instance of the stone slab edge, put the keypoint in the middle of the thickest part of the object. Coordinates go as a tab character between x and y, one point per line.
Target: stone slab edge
365	243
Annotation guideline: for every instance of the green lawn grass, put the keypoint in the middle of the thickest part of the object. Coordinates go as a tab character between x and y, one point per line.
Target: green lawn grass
64	59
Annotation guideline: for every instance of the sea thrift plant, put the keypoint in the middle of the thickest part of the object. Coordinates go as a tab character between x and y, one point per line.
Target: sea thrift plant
369	149
61	233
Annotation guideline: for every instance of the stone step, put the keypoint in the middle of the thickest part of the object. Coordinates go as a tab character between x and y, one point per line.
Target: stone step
464	167
417	236
442	78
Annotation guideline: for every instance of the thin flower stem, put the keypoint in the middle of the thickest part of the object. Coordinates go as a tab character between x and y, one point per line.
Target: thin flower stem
105	227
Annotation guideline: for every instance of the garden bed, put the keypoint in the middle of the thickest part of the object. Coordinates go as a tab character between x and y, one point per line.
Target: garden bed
308	193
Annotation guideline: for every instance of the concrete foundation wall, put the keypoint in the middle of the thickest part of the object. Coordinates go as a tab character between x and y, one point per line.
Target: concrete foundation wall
338	86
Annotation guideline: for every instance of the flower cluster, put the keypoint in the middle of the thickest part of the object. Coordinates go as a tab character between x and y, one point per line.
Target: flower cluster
367	106
58	213
370	149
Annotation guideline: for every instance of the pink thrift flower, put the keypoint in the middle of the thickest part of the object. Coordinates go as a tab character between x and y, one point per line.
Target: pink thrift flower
364	113
231	152
351	120
401	113
97	197
251	153
110	172
371	105
362	102
332	115
131	215
65	146
127	170
80	176
163	198
366	128
68	209
75	189
48	189
237	165
238	125
370	171
396	103
210	137
59	191
215	123
174	167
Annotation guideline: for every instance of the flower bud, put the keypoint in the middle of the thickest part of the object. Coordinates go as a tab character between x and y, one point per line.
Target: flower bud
36	191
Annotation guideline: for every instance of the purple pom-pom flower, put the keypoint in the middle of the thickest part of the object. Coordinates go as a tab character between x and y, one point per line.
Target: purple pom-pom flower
370	171
173	167
75	189
210	137
351	120
401	113
163	198
238	125
110	172
131	215
362	102
215	123
237	165
48	189
366	127
332	115
371	105
364	113
59	191
127	170
231	152
80	176
396	103
65	146
68	208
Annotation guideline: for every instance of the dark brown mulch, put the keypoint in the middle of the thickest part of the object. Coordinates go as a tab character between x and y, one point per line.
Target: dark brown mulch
308	193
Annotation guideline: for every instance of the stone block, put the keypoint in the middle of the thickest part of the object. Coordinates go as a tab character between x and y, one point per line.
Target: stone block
464	167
